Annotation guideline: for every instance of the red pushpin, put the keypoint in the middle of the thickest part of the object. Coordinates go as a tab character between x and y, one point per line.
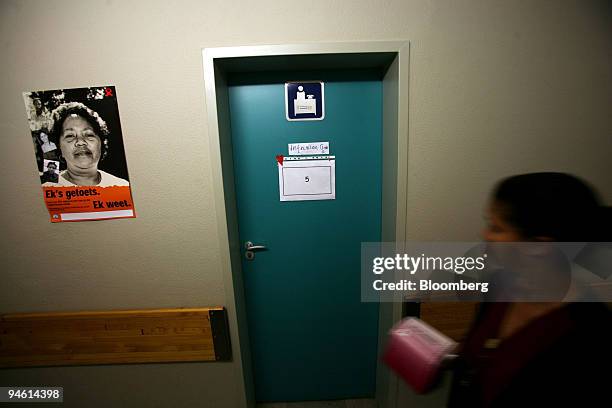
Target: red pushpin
279	159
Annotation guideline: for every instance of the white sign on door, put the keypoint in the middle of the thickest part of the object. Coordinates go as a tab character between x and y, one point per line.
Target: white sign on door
307	178
308	149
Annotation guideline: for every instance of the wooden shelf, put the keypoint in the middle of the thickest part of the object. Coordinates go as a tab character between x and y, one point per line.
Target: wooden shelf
114	337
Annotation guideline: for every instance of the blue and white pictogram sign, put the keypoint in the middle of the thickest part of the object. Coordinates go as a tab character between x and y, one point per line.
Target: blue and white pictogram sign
304	100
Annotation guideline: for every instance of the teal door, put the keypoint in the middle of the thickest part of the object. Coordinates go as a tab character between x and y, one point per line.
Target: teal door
311	336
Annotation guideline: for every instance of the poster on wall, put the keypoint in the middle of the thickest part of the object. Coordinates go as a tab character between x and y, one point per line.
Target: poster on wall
79	152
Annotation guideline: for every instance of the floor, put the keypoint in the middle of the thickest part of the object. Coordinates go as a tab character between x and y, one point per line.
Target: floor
354	403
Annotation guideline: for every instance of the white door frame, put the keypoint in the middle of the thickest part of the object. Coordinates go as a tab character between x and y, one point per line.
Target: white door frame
392	58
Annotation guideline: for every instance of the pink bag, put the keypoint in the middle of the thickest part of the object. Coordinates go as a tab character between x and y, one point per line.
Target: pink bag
415	351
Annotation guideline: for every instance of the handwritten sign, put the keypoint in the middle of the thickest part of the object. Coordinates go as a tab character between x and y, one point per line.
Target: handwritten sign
307	178
307	149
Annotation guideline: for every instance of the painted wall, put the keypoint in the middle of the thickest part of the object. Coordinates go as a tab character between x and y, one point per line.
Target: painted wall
497	88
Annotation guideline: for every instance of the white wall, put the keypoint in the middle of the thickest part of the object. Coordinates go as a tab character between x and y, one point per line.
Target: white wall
497	88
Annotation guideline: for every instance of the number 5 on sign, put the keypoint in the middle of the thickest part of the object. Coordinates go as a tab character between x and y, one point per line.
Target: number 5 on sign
307	178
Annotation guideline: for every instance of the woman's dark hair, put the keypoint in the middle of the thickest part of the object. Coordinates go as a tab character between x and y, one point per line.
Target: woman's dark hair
554	205
63	111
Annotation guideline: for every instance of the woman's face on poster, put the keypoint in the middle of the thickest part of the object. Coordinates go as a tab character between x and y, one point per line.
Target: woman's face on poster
43	137
79	143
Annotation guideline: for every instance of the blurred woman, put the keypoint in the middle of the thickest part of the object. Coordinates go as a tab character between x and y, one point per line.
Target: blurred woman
537	353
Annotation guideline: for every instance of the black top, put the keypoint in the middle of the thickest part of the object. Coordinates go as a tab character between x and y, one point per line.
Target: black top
561	359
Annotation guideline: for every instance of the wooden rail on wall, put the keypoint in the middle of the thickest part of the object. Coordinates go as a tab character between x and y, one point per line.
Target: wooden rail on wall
114	337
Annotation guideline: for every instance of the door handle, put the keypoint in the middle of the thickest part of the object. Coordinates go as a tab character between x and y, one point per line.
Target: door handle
250	248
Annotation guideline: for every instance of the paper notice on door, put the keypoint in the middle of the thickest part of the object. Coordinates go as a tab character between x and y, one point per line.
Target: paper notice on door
307	178
308	149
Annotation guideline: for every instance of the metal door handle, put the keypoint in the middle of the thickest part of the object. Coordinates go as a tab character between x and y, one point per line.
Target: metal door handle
252	247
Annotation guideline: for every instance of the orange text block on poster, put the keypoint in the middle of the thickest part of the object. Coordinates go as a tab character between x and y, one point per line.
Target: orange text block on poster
81	203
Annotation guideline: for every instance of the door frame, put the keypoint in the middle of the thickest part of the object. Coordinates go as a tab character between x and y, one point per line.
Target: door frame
392	59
